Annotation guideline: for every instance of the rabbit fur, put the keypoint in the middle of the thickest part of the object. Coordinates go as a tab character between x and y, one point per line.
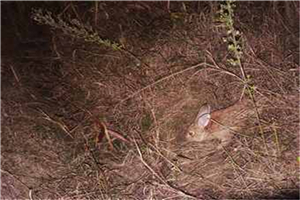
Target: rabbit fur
220	124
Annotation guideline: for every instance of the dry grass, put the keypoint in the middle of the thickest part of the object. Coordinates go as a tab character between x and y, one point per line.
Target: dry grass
52	99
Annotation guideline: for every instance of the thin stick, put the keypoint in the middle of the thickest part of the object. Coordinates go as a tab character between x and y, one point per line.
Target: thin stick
158	176
273	126
61	125
15	177
96	13
15	74
158	81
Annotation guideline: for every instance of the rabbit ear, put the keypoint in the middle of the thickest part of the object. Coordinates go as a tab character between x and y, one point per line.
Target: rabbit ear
203	116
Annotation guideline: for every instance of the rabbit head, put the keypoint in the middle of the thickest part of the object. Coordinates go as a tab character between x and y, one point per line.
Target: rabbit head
197	131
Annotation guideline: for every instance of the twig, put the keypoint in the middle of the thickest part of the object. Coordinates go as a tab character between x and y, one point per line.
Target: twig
152	147
273	126
156	127
15	74
11	174
217	67
234	165
96	13
159	81
118	135
158	176
30	194
61	125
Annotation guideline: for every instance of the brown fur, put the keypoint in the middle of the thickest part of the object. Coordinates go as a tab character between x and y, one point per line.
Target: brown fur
222	123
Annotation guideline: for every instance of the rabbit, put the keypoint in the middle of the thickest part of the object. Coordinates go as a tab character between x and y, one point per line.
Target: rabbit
220	124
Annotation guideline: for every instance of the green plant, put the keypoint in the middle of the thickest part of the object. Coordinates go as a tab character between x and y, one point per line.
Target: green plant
234	40
73	28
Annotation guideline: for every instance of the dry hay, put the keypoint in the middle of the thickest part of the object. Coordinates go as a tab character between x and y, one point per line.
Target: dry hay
50	108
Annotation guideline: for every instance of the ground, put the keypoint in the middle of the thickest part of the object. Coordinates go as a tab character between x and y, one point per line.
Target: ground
84	119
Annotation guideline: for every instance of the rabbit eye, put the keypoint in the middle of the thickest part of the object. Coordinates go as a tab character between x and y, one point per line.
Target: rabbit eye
191	133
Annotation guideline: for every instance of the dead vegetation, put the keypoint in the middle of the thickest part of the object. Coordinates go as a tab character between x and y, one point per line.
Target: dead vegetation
60	93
